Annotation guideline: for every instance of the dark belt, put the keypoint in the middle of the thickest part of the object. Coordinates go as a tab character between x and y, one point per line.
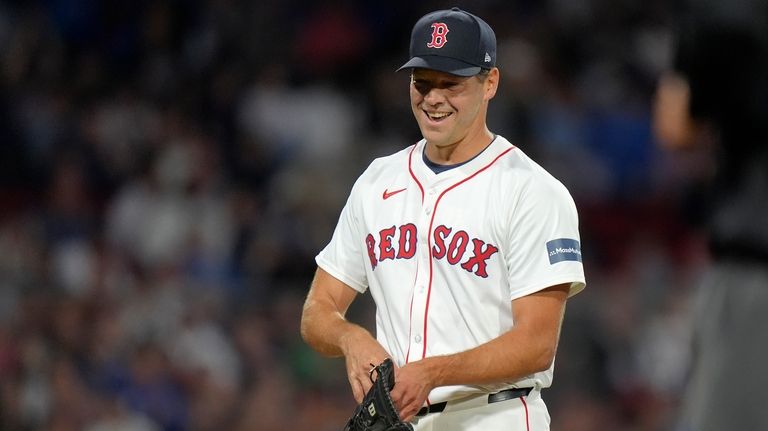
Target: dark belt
504	395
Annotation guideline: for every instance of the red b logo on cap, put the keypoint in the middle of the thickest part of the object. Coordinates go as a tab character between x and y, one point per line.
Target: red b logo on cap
439	30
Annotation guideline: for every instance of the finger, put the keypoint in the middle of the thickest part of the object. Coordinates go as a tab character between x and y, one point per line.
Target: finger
402	403
357	389
366	384
408	413
397	398
364	380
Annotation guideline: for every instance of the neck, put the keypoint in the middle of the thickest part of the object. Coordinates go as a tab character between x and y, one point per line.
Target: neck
461	151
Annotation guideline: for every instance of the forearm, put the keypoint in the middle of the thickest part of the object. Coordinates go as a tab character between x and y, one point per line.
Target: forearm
509	357
326	330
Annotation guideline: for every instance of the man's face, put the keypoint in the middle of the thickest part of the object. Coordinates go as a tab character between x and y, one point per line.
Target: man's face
449	107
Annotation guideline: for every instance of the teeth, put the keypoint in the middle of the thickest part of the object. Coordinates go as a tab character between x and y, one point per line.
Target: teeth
438	115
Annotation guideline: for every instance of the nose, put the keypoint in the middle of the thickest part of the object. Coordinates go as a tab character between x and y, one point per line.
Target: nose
433	97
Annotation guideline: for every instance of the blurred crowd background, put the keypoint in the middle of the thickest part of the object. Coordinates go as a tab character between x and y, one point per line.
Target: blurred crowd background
170	168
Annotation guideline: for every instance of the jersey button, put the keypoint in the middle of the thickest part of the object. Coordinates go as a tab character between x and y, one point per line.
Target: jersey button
417	339
428	211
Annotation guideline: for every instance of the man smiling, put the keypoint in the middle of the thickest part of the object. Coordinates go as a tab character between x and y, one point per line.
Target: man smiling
468	247
451	111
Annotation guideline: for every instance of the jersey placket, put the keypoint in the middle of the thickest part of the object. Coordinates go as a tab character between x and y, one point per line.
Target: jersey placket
421	294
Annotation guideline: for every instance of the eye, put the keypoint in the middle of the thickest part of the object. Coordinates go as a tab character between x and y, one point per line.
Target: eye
422	86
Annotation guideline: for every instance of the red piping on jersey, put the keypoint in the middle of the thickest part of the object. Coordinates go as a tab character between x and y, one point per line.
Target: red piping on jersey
410	316
410	169
429	239
410	309
525	406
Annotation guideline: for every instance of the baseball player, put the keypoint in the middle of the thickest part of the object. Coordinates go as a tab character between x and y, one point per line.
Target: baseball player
468	247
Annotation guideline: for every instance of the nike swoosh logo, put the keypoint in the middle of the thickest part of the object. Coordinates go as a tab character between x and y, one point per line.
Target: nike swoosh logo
388	195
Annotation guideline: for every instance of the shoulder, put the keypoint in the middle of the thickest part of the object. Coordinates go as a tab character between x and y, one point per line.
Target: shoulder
522	170
384	169
527	180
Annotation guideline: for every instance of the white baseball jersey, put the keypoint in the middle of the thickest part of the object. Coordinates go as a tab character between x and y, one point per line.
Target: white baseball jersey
444	254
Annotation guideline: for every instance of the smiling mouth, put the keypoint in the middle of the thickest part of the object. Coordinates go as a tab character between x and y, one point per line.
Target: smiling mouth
438	116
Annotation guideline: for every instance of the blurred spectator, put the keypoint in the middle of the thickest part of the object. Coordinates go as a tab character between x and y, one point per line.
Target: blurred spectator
717	95
113	416
154	390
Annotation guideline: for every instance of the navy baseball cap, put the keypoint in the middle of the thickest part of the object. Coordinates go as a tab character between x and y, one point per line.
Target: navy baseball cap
452	41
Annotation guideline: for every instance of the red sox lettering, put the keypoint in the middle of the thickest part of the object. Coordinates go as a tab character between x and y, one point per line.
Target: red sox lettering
400	243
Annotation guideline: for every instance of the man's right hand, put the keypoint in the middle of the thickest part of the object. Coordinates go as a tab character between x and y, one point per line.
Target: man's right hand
361	353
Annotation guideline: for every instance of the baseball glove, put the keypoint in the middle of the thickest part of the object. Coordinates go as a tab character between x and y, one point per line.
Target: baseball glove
377	412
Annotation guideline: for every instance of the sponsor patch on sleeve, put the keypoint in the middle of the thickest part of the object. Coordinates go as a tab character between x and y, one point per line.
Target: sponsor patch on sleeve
563	249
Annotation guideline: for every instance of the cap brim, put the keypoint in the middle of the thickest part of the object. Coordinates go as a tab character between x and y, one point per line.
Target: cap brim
442	64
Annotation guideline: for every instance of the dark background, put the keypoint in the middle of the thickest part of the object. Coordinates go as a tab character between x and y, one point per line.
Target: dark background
169	169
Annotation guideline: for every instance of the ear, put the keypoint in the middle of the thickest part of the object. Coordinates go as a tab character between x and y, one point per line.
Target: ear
491	84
